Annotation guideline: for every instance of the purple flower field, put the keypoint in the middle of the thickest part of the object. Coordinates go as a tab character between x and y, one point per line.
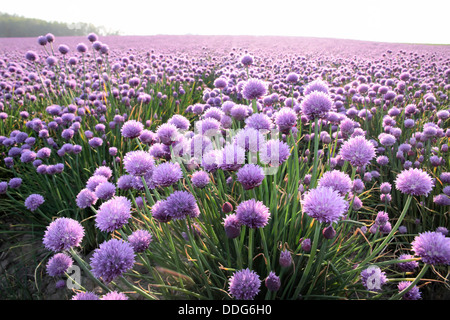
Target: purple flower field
228	167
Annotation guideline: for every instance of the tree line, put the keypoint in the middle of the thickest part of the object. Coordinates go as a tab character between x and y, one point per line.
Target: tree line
17	26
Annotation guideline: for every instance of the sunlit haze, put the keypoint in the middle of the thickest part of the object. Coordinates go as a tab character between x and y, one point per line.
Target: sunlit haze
403	21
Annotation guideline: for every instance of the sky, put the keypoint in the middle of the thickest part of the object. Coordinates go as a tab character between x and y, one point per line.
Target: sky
404	21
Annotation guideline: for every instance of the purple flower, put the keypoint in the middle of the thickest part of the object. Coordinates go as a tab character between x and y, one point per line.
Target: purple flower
113	214
442	200
231	158
385	187
105	190
208	127
63	234
254	89
285	258
58	264
250	176
337	180
114	295
244	284
112	259
103	171
250	139
433	247
181	204
85	296
254	214
407	266
259	121
239	112
386	139
285	119
414	182
167	133
247	60
95	142
138	163
358	151
273	282
86	198
179	121
28	156
412	294
94	181
140	240
316	105
160	211
132	129
200	179
232	226
167	174
373	278
316	85
33	201
324	204
15	183
275	152
306	245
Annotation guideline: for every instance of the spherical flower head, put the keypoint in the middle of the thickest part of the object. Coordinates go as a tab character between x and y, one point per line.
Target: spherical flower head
167	133
407	266
358	151
382	218
138	163
273	282
253	214
433	247
306	245
63	234
114	295
103	171
244	284
442	200
239	112
247	60
386	139
220	83
285	258
259	121
85	296
113	214
442	230
94	181
132	129
179	121
28	156
31	56
316	85
250	139
33	201
250	176
44	153
95	142
231	158
232	226
58	264
373	278
337	180
275	152
208	127
286	119
254	89
167	174
160	211
316	105
324	204
412	294
112	259
105	190
385	187
15	183
140	240
415	182
86	198
200	179
292	77
181	204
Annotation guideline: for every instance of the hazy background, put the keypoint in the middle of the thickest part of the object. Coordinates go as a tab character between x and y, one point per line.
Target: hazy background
401	21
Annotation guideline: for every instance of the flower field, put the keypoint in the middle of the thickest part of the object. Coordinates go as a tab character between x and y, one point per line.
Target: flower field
228	168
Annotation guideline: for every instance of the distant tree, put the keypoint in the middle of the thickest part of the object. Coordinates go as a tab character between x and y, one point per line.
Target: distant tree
17	26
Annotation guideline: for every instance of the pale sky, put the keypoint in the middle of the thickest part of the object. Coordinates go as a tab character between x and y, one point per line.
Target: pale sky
413	21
